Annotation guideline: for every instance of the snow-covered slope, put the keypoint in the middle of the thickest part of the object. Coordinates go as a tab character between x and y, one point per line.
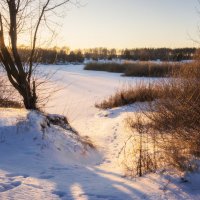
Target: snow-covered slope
30	146
42	162
34	132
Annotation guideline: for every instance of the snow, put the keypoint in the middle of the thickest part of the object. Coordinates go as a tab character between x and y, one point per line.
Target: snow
42	162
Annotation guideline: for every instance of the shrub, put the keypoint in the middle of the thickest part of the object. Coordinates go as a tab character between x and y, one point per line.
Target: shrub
139	155
172	126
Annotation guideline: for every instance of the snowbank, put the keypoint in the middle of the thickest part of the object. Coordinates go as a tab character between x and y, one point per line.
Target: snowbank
37	133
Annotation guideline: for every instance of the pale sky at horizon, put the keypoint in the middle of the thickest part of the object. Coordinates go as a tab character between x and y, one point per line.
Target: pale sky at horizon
131	24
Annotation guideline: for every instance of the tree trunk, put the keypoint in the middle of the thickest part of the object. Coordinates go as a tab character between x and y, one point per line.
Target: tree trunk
29	97
17	76
29	103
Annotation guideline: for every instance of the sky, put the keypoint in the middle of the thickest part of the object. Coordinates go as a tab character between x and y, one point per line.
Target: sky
130	24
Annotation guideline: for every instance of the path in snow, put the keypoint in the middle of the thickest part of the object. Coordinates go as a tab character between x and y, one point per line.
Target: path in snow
82	89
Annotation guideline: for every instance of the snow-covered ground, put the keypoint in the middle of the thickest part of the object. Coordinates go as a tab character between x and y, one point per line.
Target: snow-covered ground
34	165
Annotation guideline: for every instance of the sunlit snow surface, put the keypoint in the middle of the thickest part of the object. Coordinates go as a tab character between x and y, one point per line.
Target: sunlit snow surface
53	165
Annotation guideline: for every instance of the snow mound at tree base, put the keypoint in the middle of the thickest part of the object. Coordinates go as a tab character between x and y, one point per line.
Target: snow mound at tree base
35	133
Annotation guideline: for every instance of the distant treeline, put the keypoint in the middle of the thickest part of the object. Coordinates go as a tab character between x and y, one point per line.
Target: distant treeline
64	55
53	56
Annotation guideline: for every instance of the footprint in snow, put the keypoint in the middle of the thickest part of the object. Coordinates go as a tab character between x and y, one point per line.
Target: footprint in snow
59	168
59	193
9	186
102	197
46	176
115	137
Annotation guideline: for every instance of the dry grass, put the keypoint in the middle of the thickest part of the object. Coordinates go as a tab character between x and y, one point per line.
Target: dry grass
5	103
108	67
132	94
8	97
138	69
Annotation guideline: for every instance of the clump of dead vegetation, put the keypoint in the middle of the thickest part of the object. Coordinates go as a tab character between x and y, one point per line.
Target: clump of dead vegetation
168	135
8	97
137	69
62	122
131	94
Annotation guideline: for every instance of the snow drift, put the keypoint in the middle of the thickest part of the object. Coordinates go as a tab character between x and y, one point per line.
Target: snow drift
45	134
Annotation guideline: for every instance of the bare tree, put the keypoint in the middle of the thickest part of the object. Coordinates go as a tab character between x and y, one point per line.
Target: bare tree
16	17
